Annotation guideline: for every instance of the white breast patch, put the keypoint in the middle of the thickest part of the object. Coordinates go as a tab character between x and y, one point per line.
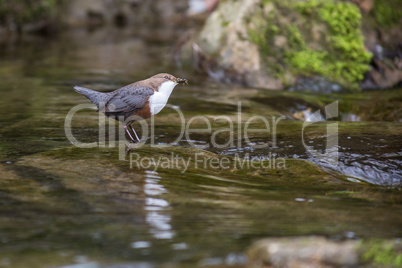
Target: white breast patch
159	99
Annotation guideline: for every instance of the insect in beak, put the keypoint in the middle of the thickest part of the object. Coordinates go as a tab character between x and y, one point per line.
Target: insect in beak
182	80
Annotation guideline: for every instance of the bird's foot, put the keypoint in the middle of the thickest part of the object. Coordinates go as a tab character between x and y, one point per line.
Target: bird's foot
130	147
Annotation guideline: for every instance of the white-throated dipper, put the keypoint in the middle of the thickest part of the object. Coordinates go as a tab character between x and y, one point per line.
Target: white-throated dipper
134	102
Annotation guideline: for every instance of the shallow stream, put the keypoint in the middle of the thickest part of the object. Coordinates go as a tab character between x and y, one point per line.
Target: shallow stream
62	205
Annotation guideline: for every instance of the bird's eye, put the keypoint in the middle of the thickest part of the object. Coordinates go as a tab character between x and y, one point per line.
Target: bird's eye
166	77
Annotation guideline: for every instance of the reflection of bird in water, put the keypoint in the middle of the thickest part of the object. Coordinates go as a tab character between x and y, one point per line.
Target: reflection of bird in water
134	102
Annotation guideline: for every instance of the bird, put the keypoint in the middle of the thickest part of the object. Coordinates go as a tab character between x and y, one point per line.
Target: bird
134	102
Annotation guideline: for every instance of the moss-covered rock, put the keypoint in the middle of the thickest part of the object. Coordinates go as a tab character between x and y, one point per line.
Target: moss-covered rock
382	253
271	43
30	15
321	252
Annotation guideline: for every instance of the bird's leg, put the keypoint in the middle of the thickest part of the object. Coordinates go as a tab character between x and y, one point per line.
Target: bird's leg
135	133
127	150
129	134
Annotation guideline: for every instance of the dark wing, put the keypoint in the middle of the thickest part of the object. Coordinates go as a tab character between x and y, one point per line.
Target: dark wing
128	99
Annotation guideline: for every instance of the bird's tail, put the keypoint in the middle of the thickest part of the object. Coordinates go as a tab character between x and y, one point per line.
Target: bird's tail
96	97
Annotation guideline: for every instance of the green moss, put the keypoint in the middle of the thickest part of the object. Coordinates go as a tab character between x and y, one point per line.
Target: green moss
387	13
258	37
346	60
295	37
260	28
342	17
22	12
338	54
381	252
308	61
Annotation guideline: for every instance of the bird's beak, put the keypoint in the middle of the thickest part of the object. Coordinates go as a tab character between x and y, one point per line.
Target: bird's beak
181	80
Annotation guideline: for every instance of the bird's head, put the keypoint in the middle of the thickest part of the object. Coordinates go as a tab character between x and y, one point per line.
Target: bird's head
164	77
